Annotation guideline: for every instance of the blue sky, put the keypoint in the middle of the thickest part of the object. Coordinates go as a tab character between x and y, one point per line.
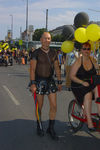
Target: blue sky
60	12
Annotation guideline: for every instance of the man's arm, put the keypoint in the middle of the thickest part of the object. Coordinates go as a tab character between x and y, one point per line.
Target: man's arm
32	69
32	75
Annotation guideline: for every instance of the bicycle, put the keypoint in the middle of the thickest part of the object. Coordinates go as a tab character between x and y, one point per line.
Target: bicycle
77	118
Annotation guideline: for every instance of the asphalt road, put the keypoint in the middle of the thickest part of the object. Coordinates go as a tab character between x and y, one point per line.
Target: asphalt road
18	122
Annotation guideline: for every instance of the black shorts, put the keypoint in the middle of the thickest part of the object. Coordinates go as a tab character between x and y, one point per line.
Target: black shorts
46	86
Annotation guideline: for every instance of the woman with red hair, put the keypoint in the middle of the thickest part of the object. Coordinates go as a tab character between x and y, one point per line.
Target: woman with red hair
81	72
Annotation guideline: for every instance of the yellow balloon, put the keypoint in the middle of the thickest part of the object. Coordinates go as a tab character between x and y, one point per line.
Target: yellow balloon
93	32
67	46
80	35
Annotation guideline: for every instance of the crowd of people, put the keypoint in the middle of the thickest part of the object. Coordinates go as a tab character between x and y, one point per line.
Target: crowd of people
20	56
6	58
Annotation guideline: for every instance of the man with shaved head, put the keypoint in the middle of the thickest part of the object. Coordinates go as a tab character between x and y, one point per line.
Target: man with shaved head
42	66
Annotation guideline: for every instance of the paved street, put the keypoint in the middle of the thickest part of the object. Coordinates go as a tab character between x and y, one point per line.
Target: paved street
18	122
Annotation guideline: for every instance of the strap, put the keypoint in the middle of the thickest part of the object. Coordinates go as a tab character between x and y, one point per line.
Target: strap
81	60
50	62
91	61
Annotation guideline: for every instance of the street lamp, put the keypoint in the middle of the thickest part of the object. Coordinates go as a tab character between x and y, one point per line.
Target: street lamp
46	19
27	24
11	26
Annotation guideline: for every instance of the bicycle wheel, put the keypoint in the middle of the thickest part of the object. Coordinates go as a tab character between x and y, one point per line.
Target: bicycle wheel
75	109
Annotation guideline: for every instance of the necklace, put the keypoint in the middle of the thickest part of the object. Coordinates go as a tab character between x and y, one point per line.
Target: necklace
45	50
87	65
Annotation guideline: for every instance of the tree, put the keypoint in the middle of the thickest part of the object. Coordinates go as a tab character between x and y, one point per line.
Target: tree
57	38
38	33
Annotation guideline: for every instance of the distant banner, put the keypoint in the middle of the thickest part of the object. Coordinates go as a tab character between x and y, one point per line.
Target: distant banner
20	42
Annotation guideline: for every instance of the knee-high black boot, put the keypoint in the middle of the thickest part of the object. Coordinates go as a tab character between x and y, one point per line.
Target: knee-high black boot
51	130
40	131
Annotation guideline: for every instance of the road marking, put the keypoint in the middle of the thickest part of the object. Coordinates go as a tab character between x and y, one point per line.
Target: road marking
18	74
11	95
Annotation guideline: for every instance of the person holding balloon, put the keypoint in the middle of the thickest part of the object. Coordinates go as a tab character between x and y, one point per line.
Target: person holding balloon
67	47
82	87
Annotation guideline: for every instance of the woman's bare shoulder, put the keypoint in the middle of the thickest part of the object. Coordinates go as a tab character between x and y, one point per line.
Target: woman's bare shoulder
78	61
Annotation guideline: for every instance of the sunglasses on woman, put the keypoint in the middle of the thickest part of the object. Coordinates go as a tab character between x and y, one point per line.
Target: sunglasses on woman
86	49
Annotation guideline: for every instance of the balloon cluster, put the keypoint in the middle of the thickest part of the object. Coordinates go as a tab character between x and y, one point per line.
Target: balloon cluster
92	33
83	32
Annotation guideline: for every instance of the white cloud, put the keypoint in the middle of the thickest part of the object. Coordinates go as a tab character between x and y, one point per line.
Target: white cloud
57	4
61	19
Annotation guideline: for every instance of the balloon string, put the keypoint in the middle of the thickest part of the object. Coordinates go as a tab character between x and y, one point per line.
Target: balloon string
93	48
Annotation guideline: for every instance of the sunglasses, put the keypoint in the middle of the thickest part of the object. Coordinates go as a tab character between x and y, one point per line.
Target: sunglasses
86	49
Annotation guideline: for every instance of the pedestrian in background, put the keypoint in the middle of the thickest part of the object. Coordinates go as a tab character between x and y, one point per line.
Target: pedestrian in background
30	52
26	56
60	58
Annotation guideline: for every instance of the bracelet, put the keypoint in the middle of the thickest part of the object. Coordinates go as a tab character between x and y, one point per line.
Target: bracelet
59	81
32	82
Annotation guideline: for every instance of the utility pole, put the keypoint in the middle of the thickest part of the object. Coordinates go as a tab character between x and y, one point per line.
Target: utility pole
46	19
11	26
20	33
27	24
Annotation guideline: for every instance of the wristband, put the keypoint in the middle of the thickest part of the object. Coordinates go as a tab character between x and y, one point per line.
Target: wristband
59	82
33	82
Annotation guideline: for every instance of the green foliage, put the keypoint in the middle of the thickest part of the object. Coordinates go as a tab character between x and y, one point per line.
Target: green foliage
57	38
38	33
63	37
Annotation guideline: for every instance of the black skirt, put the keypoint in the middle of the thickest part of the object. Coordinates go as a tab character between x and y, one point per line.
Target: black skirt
46	86
80	91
